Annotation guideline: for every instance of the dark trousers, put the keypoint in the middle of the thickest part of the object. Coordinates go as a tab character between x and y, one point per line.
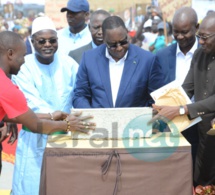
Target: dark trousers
192	136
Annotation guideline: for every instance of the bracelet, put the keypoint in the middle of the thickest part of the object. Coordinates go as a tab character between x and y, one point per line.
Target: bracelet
68	125
52	118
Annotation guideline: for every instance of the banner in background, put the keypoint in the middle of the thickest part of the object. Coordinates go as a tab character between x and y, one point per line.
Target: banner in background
30	8
168	7
52	9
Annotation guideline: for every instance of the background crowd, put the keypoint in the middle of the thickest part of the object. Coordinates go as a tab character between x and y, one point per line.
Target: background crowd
150	31
62	64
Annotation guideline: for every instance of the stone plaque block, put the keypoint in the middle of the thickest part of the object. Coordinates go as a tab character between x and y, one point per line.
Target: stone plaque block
117	123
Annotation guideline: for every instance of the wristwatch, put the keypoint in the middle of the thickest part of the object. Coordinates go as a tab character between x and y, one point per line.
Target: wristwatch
181	110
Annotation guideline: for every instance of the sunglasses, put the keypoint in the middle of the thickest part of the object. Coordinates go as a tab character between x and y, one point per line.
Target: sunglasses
204	38
115	45
43	41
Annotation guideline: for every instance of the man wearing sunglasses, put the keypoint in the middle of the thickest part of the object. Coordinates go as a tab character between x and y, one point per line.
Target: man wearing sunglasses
47	79
116	74
77	34
200	82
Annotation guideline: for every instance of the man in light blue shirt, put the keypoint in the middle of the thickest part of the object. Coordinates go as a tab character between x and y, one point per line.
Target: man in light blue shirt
47	80
77	34
95	26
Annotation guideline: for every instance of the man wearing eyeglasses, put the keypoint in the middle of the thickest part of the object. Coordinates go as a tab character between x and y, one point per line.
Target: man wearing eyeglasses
116	74
47	79
200	82
77	34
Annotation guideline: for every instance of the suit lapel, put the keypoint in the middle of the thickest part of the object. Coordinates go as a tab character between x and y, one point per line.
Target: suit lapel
89	46
103	66
130	66
172	61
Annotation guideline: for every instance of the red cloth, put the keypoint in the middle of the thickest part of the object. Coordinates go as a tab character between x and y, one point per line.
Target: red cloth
132	33
12	100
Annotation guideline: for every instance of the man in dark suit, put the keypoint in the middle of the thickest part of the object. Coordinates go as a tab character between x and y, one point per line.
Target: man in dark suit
96	20
200	82
116	74
175	59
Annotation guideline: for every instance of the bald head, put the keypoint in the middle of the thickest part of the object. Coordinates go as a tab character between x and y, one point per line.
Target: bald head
207	34
12	52
185	26
209	21
99	12
9	40
185	14
95	25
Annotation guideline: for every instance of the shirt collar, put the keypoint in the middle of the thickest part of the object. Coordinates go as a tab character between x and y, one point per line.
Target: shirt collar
111	59
192	50
94	45
81	33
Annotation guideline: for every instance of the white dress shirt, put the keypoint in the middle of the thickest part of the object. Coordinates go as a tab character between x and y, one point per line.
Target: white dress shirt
183	62
116	70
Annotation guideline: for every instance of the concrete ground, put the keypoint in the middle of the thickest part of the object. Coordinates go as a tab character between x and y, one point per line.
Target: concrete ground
6	176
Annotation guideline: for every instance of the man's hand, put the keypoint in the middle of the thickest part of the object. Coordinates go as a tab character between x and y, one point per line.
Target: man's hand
12	130
3	133
213	123
59	115
212	130
78	123
165	113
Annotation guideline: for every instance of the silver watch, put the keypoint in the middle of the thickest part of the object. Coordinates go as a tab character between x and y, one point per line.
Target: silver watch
181	110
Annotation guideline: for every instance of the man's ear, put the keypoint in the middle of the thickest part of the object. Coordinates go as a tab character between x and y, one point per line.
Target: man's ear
197	26
10	53
87	14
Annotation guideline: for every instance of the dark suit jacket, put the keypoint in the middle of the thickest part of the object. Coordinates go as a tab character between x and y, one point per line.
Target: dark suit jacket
200	82
141	75
78	53
28	46
167	59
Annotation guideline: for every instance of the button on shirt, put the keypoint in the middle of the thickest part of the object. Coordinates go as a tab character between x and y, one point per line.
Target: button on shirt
68	41
116	70
183	62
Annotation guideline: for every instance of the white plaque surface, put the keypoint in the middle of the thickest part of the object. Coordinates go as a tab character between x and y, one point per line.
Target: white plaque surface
117	123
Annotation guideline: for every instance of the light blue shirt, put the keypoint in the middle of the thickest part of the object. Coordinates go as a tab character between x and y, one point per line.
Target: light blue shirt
94	45
47	88
68	41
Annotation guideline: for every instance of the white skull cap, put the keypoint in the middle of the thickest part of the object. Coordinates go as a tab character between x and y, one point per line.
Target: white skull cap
42	23
148	23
